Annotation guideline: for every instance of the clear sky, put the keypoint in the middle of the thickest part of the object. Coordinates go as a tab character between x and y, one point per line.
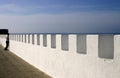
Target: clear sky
60	16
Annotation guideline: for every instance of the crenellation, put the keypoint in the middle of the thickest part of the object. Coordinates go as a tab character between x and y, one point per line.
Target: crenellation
44	40
65	42
83	43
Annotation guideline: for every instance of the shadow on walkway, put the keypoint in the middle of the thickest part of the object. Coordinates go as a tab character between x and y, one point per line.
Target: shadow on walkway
12	66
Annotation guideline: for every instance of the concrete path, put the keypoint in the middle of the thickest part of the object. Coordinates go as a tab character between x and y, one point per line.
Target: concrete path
12	66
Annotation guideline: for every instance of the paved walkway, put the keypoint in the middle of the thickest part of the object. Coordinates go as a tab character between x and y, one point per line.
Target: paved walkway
12	66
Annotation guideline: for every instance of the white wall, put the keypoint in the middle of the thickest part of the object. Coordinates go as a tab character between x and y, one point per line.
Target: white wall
69	63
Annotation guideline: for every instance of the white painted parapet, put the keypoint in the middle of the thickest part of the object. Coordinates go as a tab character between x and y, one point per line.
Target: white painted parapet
69	55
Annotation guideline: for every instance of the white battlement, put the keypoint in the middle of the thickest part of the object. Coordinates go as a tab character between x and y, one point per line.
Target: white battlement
69	55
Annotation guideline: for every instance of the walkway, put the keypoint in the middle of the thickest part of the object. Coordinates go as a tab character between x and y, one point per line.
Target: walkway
12	66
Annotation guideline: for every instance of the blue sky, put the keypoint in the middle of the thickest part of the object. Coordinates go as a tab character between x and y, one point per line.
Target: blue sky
60	16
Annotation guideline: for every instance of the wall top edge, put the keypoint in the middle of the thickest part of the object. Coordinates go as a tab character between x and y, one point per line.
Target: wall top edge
69	33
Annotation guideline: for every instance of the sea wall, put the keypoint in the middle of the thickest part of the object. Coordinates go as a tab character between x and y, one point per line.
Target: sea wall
69	55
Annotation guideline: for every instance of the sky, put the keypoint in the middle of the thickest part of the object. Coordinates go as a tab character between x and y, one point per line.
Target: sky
60	16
